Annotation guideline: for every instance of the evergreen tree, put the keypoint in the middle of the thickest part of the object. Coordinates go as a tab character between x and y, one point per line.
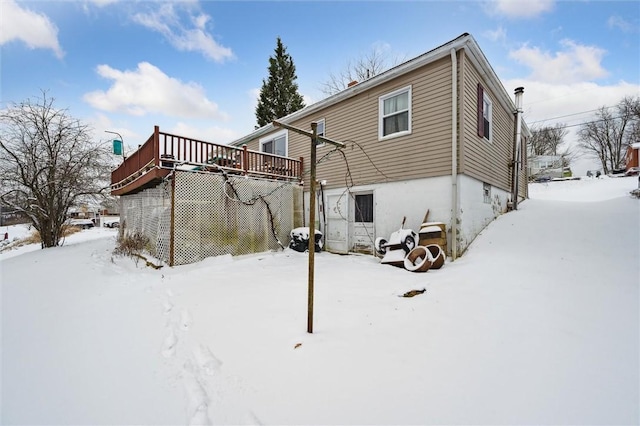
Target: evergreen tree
279	94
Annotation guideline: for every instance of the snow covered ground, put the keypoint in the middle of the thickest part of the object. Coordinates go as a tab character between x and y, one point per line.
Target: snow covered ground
538	323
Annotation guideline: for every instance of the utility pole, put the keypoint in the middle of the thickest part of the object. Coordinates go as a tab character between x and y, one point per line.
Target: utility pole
312	209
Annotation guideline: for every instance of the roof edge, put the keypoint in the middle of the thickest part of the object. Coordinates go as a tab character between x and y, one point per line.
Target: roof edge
465	41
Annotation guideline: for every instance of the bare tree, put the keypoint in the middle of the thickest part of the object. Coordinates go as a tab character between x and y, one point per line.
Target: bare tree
366	66
608	136
48	163
546	140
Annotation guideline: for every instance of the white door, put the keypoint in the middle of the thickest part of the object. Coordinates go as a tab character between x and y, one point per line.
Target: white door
337	223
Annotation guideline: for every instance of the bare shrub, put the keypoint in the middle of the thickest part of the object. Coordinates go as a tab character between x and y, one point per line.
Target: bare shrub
131	244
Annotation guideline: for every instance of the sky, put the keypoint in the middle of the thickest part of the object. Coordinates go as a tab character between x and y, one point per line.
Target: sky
195	68
537	323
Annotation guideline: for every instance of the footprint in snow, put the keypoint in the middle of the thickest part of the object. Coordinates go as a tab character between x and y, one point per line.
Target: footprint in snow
169	345
185	320
206	360
168	306
197	398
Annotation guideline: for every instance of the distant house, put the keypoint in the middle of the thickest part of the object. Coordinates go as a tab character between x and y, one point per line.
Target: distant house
631	159
548	166
438	133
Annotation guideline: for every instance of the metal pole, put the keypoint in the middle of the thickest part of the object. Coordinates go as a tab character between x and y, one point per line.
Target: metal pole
518	148
121	140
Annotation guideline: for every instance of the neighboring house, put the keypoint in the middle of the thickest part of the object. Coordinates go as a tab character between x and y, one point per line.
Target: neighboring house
436	133
547	166
84	211
632	156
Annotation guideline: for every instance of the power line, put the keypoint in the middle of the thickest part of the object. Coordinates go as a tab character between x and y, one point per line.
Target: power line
588	122
570	115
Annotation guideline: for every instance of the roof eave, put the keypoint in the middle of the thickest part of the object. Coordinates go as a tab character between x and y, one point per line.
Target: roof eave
464	41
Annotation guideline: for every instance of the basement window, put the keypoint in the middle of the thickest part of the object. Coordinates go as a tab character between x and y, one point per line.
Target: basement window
486	192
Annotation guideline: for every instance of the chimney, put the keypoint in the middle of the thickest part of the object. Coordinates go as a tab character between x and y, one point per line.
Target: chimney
353	83
517	160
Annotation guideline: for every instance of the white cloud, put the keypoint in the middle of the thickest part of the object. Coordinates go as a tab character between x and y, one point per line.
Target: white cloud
148	90
621	24
499	34
191	37
33	29
572	104
576	62
212	134
519	8
103	3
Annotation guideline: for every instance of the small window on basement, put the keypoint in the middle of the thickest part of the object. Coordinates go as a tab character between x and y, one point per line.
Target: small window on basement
486	190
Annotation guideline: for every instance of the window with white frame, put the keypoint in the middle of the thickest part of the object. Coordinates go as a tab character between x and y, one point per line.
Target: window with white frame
395	113
275	143
485	114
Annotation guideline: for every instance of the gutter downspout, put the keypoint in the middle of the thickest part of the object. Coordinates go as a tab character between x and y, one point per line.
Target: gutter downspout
517	156
454	154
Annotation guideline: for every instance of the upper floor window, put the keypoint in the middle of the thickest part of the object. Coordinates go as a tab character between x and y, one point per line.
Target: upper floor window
485	113
275	143
395	113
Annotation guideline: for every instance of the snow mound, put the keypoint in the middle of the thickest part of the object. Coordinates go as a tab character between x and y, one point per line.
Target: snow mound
585	189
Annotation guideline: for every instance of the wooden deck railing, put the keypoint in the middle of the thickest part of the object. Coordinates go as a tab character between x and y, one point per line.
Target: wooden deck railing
165	152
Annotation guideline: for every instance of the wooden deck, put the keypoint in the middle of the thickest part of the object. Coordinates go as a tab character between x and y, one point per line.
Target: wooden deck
163	152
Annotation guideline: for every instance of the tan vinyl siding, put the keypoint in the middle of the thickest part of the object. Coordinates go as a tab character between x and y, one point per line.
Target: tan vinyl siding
484	160
426	152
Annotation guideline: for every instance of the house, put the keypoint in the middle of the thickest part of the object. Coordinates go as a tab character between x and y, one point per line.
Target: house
546	166
631	158
438	133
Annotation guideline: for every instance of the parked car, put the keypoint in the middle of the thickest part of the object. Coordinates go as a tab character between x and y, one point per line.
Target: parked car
633	171
81	223
114	224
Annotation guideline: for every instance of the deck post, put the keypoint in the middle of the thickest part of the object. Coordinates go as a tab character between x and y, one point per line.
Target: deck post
245	159
156	146
301	170
172	224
